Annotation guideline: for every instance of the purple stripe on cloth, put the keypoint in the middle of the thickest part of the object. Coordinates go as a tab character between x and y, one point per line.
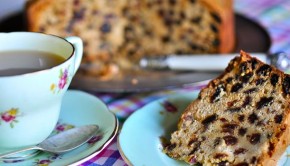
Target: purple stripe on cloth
113	158
108	157
124	107
274	15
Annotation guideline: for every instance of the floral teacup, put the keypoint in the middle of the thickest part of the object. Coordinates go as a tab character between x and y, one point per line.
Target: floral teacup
30	103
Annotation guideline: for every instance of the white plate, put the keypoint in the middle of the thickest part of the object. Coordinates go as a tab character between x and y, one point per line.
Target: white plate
78	109
139	140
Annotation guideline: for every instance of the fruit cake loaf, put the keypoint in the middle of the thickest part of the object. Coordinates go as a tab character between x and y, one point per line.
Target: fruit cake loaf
240	118
121	31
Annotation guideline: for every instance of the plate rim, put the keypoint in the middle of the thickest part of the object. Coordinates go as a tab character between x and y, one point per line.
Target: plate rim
109	139
193	94
100	149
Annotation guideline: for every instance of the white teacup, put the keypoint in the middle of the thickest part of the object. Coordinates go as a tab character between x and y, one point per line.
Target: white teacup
30	101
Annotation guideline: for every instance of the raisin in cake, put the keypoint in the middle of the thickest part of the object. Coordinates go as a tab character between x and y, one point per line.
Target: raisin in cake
241	118
119	32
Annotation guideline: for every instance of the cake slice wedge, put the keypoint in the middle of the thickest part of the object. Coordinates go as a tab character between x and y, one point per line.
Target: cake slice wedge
240	118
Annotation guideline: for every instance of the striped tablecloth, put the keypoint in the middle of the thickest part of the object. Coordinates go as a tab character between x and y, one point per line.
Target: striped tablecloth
273	15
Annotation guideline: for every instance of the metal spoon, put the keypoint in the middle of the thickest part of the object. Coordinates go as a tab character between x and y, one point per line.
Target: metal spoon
62	142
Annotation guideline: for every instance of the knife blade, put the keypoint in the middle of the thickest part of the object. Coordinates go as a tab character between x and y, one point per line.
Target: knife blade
209	62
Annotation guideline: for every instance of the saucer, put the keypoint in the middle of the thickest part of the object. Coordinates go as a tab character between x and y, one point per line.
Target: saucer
78	109
151	125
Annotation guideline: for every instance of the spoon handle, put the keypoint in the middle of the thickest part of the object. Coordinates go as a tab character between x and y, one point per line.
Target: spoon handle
8	154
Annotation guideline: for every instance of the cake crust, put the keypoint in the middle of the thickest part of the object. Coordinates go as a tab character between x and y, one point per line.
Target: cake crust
225	10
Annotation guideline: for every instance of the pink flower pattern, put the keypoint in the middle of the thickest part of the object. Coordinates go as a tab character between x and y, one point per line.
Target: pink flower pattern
48	160
95	139
60	127
63	80
169	107
9	116
44	162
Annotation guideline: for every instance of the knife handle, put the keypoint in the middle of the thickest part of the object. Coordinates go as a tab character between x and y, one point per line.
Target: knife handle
214	62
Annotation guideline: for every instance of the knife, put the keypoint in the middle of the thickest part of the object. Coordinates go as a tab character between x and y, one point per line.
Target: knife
209	62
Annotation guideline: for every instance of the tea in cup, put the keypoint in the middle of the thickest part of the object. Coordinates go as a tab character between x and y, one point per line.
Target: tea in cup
35	72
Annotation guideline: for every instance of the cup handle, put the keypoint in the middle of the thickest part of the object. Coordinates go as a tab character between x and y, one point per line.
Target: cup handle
78	48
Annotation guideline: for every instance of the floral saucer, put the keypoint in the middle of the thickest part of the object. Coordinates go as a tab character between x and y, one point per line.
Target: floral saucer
78	109
140	140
